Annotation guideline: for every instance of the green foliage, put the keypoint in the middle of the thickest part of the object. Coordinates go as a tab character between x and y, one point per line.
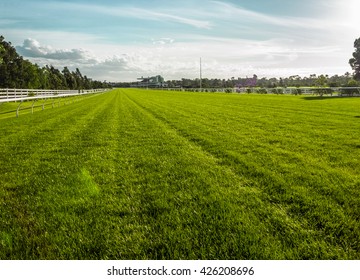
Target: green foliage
279	91
321	81
261	91
353	83
31	94
292	81
349	91
352	90
133	175
11	65
355	60
297	91
2	52
322	91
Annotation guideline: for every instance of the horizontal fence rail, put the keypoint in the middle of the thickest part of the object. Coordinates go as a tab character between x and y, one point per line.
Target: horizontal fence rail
10	95
340	91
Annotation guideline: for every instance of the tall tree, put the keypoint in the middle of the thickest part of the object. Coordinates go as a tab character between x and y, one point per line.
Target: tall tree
2	52
79	79
70	79
10	66
87	82
30	77
355	60
321	81
56	78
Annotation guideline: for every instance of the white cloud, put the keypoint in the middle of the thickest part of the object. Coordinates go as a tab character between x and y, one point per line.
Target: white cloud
126	11
242	14
159	16
222	58
163	41
106	68
32	48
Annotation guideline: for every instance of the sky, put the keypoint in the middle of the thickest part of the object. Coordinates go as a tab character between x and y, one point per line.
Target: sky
120	41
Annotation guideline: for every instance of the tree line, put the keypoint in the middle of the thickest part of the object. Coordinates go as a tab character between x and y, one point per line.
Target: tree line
17	72
313	80
292	81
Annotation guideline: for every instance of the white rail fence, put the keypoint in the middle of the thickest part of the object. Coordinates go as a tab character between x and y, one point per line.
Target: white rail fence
14	95
306	90
339	91
9	95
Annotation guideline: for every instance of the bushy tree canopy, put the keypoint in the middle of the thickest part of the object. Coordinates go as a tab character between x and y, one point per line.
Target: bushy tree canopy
355	60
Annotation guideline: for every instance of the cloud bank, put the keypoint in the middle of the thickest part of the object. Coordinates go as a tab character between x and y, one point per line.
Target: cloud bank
175	60
32	48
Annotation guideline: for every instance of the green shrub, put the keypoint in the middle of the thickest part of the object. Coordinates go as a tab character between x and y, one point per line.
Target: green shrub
31	94
297	91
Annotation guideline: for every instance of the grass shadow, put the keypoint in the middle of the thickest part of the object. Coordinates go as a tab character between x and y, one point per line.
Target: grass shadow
312	98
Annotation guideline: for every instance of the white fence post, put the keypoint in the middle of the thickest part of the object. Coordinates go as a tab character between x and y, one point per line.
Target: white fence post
18	108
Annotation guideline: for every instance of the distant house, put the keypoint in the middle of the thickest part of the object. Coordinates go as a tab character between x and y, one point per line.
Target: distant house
150	82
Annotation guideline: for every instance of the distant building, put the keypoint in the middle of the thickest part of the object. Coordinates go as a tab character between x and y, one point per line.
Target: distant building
150	82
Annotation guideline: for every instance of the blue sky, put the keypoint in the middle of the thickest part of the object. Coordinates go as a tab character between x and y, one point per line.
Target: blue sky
122	40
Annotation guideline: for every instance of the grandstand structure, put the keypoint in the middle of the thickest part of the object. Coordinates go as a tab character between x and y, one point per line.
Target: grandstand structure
150	82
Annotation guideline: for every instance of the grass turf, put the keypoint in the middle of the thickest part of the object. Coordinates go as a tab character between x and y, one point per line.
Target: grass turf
137	174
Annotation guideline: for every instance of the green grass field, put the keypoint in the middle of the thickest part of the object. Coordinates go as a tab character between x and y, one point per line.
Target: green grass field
143	174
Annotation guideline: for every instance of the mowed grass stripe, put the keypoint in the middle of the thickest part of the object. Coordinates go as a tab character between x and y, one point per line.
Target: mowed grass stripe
156	175
273	214
235	211
41	162
59	218
280	138
297	186
38	135
279	134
